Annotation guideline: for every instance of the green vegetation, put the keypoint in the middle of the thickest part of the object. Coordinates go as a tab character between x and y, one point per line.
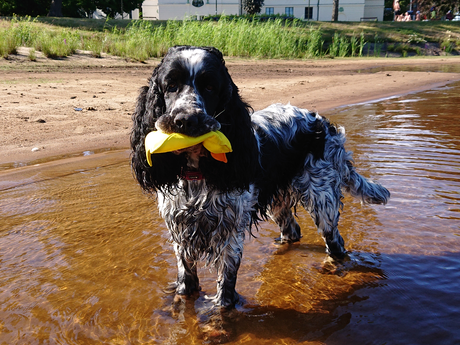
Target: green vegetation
243	37
8	43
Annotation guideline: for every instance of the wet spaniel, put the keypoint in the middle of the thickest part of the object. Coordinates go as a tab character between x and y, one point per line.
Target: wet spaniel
282	156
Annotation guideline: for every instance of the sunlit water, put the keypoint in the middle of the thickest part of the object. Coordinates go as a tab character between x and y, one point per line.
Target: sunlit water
435	67
84	257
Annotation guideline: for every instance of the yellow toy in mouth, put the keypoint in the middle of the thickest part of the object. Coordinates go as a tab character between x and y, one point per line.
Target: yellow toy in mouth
159	142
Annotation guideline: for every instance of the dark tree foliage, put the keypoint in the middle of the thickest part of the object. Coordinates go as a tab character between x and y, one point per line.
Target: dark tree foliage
441	7
6	7
78	8
66	8
424	6
253	6
112	7
25	7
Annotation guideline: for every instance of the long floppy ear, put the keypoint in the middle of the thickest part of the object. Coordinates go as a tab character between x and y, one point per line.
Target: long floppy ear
166	167
241	169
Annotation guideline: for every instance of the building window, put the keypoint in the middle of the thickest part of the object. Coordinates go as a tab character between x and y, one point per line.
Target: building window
289	11
308	12
269	10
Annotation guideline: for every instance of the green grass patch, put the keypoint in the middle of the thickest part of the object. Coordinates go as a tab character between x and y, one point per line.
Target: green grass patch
8	44
243	37
32	56
57	44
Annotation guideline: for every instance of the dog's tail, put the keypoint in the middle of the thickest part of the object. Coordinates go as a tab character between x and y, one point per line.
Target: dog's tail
367	191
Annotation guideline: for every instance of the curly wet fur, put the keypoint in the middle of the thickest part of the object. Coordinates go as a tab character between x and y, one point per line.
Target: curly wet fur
282	156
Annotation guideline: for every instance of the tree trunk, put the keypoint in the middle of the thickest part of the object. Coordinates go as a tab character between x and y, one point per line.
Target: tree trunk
335	10
56	8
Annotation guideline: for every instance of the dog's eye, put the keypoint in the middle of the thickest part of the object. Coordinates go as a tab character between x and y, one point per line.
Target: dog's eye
209	88
172	88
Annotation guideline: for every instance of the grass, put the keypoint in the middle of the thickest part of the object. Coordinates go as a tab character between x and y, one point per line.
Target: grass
57	44
278	38
8	44
32	56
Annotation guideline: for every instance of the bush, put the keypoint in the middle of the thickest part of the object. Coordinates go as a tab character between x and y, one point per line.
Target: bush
54	45
8	44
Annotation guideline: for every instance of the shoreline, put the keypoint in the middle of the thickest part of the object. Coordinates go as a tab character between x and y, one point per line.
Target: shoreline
38	101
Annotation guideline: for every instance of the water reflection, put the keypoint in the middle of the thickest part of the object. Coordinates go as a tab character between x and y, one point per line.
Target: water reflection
444	68
84	257
414	145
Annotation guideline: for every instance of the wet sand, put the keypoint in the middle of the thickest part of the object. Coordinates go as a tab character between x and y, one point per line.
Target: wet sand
52	108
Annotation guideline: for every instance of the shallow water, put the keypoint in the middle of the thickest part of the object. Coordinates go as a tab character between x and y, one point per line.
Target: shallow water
435	67
84	256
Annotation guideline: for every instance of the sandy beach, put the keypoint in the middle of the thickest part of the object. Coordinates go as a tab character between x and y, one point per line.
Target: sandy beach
50	108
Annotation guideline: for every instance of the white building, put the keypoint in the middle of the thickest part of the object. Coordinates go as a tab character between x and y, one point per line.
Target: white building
349	10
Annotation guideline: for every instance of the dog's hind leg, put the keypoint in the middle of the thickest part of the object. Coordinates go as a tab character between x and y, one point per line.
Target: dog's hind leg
321	197
325	212
281	213
326	218
187	278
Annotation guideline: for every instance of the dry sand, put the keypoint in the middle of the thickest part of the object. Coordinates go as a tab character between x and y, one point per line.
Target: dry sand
40	101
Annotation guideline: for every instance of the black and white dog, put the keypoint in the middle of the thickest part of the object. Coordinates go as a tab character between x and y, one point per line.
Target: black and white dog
282	156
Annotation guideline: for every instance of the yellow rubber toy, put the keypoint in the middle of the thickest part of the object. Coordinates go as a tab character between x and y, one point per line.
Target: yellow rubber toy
159	142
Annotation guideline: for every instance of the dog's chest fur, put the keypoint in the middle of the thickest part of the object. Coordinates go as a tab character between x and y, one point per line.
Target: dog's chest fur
203	221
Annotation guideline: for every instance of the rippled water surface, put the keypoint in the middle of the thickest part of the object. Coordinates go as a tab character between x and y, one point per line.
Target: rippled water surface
84	257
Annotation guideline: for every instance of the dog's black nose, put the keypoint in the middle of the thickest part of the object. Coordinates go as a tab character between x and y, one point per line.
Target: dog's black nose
186	122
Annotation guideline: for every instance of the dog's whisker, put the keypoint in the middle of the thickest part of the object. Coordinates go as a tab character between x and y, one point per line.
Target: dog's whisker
215	116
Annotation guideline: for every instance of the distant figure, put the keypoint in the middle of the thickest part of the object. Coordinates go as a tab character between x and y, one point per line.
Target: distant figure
449	15
418	16
396	9
407	17
433	13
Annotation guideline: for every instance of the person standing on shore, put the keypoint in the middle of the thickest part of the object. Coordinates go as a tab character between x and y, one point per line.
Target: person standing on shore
396	9
433	13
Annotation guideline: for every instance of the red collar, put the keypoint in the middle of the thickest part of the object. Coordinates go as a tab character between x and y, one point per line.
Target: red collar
191	175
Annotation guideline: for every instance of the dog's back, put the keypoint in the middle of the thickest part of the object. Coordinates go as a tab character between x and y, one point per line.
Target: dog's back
288	136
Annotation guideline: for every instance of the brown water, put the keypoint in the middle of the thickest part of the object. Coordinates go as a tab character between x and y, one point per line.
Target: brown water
84	256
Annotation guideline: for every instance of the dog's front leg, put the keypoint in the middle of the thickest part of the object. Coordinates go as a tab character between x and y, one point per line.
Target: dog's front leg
187	278
227	267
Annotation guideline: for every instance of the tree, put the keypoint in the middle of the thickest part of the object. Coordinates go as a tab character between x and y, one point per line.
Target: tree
335	10
67	8
441	6
112	7
253	6
55	9
24	7
6	7
78	8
